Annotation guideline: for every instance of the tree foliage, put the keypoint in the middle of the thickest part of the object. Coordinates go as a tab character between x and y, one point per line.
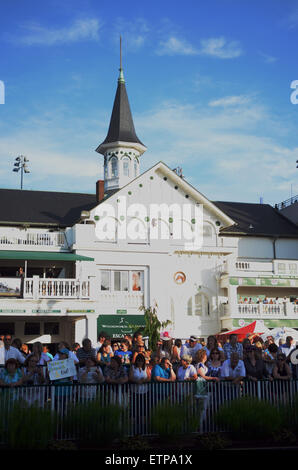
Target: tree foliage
153	326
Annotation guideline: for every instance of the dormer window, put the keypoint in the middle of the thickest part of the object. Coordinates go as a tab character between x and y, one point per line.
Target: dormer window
126	166
114	167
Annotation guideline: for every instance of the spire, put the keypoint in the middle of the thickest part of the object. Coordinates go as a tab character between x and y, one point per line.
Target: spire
121	76
121	130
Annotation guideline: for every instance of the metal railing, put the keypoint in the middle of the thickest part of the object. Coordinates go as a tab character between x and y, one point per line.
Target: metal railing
286	203
33	239
139	402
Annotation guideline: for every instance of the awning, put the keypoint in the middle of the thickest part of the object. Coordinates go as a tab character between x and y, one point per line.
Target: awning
254	328
42	255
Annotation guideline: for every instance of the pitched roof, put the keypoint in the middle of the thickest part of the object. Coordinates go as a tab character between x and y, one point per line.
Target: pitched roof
256	220
121	127
43	207
64	209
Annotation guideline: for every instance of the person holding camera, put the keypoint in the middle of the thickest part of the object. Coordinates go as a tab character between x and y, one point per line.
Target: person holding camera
33	373
163	372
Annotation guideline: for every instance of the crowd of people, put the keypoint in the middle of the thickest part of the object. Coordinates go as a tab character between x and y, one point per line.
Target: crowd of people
267	300
129	360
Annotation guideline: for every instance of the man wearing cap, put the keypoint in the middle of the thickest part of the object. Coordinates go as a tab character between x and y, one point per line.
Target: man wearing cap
191	348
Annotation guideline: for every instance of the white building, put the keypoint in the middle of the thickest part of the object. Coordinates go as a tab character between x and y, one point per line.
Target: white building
77	283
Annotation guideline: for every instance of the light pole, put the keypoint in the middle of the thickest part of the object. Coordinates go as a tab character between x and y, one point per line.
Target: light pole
21	164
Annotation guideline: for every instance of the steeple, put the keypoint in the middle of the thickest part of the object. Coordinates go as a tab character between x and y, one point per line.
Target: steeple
121	147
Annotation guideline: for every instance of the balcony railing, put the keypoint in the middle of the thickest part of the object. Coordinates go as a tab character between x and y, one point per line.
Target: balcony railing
261	310
32	239
36	288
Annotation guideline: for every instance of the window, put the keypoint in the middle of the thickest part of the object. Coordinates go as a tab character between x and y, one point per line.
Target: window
121	280
51	328
293	268
105	280
189	306
126	166
114	166
32	328
7	329
136	281
116	280
198	305
281	268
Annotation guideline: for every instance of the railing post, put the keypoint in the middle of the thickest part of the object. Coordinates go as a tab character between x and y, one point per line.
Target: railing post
35	287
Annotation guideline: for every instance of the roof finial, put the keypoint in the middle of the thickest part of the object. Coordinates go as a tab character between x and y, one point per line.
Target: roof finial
121	76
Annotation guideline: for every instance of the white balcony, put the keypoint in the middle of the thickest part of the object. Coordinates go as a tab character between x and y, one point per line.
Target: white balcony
21	239
249	268
36	288
253	311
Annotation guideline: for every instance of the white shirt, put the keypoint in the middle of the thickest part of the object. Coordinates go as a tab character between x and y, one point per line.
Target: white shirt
191	351
13	353
183	374
238	371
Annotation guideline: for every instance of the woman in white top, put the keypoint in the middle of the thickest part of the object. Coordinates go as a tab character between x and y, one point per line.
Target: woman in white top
91	373
139	375
187	372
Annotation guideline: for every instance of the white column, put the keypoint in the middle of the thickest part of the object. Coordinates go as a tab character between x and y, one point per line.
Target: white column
80	330
92	327
232	298
35	288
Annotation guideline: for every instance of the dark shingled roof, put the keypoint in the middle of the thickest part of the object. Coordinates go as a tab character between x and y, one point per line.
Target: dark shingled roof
256	220
64	210
121	124
43	207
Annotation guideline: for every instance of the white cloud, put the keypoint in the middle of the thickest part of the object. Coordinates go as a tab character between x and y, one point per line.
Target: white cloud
213	47
230	101
234	154
268	59
134	33
291	21
79	30
220	48
175	46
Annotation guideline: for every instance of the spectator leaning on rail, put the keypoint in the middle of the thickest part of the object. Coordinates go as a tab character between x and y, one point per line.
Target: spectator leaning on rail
115	372
255	366
233	369
33	374
186	371
163	372
11	375
91	373
233	346
282	370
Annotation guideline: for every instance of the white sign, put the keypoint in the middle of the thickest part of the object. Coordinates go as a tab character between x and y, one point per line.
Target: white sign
61	369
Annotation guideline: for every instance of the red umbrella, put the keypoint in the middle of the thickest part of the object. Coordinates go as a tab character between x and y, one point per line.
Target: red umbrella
241	332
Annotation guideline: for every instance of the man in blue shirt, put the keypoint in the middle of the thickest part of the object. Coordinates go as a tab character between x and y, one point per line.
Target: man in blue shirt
163	372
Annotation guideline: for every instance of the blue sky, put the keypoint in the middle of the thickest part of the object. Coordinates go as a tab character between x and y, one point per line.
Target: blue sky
208	84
